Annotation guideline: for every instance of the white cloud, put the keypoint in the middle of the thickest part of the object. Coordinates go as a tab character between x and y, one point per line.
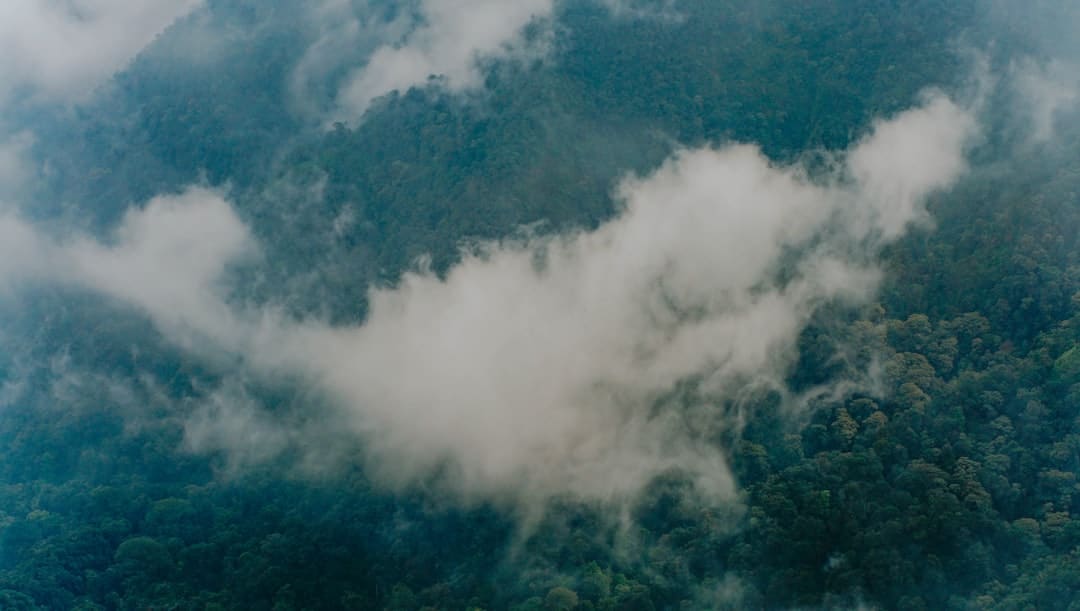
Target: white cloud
906	158
448	41
60	48
546	367
346	35
168	259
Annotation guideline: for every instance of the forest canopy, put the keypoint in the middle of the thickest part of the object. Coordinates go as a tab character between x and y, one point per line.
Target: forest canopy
539	304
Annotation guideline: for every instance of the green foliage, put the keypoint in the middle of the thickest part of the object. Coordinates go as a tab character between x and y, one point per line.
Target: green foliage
560	599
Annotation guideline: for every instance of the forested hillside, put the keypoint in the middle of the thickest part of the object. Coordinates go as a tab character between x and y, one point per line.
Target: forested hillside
648	305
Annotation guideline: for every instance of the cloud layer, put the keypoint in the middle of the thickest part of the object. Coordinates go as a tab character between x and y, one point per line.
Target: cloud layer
549	366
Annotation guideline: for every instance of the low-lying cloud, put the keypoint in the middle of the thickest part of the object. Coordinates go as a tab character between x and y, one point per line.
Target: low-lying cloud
445	40
448	40
552	365
60	49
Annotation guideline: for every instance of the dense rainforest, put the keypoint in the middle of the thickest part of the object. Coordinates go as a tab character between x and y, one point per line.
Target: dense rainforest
938	471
